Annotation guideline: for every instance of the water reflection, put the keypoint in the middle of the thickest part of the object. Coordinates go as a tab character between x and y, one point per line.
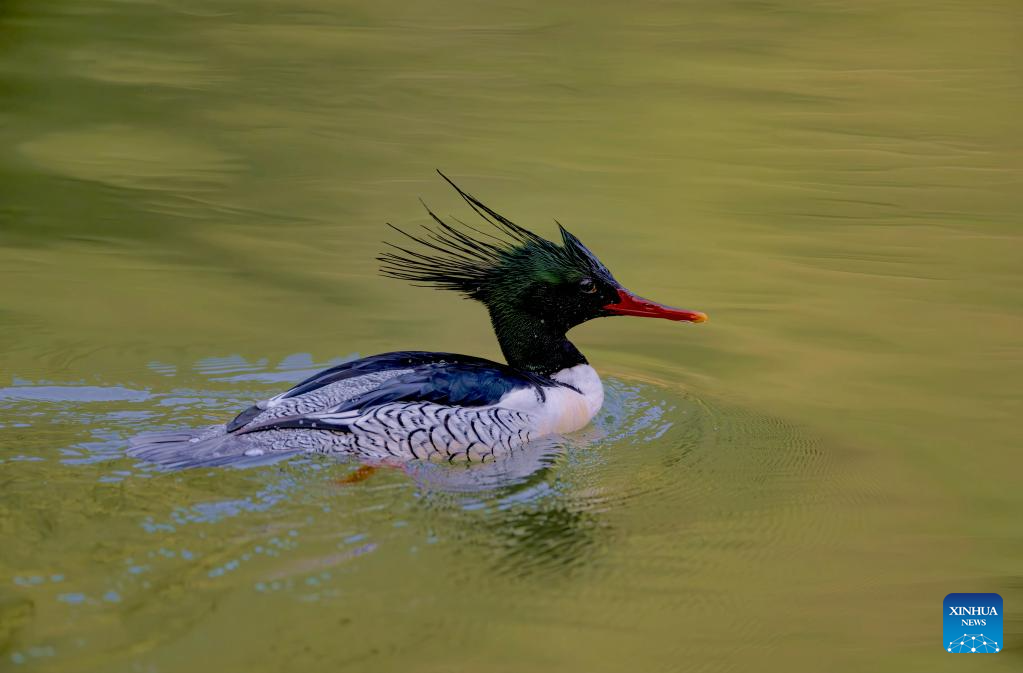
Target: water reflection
298	529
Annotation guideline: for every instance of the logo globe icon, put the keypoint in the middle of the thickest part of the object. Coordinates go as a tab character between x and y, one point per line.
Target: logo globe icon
973	642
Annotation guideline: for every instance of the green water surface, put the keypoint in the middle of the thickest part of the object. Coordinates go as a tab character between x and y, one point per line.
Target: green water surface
192	194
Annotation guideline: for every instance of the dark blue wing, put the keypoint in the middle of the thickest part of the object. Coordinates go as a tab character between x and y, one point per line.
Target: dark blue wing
471	382
376	363
444	378
352	369
462	384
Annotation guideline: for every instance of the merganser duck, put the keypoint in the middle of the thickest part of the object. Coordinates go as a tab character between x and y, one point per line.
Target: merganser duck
413	405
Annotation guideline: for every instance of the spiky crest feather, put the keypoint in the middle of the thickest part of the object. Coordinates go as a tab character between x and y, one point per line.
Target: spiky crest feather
470	260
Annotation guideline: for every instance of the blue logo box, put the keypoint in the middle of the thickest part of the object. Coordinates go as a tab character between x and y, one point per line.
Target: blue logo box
973	623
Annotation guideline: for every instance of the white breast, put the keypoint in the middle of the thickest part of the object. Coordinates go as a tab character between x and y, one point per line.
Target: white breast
563	409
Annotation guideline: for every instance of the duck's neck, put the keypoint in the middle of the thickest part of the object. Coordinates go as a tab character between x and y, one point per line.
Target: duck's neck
534	345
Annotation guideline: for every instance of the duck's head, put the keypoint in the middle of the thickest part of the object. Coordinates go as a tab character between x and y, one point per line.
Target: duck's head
528	283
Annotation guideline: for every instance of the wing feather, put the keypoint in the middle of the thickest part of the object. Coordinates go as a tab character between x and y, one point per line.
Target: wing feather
468	383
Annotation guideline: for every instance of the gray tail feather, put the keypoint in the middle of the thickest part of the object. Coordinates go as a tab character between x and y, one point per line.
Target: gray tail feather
204	447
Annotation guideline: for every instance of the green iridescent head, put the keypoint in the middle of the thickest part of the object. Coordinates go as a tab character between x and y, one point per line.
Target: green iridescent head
534	289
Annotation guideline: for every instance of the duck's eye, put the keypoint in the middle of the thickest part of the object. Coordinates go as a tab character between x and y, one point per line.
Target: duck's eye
587	285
